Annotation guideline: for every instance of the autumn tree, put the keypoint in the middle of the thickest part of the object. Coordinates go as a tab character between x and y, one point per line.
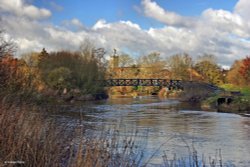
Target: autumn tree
8	68
245	69
31	59
8	64
17	78
234	76
210	71
12	78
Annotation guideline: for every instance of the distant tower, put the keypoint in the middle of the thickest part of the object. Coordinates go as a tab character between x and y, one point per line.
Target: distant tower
115	60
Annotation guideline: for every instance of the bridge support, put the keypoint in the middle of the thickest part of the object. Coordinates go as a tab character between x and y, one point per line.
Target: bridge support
224	100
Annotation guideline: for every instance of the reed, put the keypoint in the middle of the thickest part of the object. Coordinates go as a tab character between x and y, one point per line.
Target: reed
28	138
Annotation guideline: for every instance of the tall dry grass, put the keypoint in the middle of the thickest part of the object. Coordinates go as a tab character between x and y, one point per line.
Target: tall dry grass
28	139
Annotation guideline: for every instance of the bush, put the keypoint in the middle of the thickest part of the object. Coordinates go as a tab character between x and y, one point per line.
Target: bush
72	70
59	78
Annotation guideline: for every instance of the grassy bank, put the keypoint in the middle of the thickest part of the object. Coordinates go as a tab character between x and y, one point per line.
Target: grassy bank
245	90
240	99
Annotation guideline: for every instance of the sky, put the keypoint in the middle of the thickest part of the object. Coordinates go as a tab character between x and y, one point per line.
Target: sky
135	27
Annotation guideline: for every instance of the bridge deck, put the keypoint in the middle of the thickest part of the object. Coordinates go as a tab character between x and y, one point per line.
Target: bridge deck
171	84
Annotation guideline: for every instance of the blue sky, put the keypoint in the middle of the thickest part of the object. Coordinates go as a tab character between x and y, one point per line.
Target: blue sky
90	11
136	27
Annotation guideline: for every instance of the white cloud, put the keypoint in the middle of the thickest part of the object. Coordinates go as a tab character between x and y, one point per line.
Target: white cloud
133	25
74	24
218	32
222	33
242	8
226	22
20	8
101	24
25	44
153	10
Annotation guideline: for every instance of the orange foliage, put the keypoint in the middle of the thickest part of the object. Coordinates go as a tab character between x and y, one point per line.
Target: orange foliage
9	63
16	74
8	68
245	68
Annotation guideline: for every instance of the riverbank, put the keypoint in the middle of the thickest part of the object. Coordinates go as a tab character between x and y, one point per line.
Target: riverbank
233	99
31	139
230	104
51	97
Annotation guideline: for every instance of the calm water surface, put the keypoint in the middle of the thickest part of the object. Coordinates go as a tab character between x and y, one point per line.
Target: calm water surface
170	127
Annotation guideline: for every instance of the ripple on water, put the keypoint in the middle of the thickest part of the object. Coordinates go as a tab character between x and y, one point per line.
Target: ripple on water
156	121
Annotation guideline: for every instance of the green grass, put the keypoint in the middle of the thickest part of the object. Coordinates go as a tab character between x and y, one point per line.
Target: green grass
245	90
242	102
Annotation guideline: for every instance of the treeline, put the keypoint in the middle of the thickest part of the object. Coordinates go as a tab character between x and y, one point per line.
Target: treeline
239	73
42	75
181	66
64	72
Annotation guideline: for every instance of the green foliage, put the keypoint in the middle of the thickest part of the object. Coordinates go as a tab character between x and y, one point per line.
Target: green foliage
85	69
243	89
211	100
59	78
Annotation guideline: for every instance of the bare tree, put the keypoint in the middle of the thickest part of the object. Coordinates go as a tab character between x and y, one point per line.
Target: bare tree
126	60
6	47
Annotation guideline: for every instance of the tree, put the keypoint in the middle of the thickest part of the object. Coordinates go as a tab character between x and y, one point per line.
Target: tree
59	78
151	65
152	60
207	57
234	76
245	69
8	68
209	70
6	47
7	62
125	60
32	59
85	69
43	55
179	66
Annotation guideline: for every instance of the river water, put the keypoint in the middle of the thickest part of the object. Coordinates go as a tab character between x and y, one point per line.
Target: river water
170	127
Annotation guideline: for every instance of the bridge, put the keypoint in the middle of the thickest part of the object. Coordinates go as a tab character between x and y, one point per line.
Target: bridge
170	84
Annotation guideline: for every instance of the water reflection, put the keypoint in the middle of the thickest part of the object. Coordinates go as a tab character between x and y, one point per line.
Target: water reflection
172	127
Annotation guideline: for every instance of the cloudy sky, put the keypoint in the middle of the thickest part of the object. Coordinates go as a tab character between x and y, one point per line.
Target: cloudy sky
137	27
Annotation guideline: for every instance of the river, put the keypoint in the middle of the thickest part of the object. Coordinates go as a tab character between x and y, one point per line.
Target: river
164	126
